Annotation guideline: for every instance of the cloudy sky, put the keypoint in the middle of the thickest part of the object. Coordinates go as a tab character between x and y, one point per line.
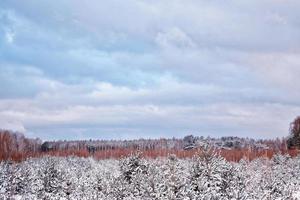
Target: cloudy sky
74	69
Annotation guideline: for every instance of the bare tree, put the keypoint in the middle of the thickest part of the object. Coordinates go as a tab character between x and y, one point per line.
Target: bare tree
294	140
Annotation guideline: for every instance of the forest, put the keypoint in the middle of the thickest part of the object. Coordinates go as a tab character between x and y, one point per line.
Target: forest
191	168
15	146
206	176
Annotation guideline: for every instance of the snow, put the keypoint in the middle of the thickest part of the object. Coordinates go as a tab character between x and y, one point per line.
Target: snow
207	176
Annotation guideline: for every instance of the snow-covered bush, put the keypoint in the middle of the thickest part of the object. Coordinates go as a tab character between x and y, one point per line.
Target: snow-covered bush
206	176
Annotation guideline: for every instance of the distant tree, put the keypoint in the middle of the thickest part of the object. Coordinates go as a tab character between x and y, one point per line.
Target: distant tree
294	140
15	146
46	146
189	142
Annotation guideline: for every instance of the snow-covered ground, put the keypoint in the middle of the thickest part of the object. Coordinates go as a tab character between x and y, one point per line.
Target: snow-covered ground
206	176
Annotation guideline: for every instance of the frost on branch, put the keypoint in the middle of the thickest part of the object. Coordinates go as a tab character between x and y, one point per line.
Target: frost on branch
207	176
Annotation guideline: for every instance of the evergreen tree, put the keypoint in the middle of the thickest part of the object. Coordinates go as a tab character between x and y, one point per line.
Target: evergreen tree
52	180
174	181
211	175
134	169
5	177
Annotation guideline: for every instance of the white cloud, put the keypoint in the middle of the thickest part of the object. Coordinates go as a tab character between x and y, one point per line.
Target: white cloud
280	70
13	125
169	109
10	36
156	67
174	37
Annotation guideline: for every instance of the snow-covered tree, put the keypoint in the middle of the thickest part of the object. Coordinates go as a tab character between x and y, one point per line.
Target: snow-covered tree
206	176
5	177
280	180
240	180
173	184
133	169
52	180
211	175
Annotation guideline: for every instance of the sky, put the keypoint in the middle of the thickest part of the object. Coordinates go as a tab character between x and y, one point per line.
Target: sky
74	69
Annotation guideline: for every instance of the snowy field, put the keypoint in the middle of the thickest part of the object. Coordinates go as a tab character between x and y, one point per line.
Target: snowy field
206	177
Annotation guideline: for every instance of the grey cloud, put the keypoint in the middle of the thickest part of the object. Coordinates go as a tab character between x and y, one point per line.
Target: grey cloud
160	68
216	119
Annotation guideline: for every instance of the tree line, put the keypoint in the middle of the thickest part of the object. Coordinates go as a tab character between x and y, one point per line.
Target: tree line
16	146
